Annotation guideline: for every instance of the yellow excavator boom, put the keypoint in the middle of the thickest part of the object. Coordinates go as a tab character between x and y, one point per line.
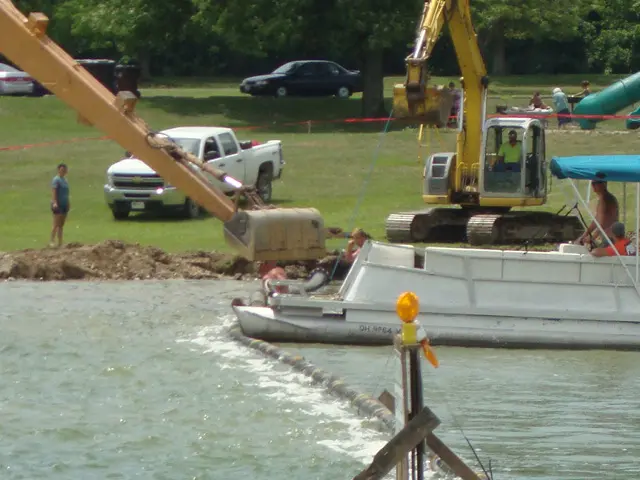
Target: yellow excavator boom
262	234
430	105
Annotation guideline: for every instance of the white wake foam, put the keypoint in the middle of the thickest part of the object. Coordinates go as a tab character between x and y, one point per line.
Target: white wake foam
292	389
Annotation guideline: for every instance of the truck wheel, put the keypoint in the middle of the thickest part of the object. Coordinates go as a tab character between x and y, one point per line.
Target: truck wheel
264	186
119	214
191	209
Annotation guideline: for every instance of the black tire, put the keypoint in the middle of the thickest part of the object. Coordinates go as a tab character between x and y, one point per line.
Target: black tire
191	209
119	214
264	186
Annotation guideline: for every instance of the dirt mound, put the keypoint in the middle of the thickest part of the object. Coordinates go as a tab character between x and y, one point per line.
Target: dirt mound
116	260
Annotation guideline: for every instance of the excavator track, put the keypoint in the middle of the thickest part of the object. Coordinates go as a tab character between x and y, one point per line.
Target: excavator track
449	225
522	227
430	225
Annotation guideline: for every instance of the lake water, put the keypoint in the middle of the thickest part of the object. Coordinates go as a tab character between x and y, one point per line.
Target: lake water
114	380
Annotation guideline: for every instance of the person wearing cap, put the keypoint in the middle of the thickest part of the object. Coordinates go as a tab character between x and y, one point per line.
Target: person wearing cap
561	105
621	244
510	153
607	213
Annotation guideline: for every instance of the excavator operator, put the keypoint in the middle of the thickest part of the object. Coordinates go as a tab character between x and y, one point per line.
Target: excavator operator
510	154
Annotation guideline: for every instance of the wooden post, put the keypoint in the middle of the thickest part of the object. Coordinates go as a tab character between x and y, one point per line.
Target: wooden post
409	437
417	403
409	388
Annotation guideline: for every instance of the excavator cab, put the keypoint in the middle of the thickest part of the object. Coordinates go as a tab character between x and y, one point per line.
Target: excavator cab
514	159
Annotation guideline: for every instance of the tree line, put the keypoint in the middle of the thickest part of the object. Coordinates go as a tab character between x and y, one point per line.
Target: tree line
242	37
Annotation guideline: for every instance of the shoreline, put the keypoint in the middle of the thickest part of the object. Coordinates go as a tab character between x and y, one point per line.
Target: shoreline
118	260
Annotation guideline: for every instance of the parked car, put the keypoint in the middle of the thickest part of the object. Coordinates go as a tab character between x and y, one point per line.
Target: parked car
14	81
305	78
134	186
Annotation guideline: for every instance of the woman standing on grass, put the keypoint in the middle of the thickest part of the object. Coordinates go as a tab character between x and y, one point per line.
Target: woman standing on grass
59	203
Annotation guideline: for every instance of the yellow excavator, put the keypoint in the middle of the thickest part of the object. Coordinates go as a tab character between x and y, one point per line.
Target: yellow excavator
483	179
262	233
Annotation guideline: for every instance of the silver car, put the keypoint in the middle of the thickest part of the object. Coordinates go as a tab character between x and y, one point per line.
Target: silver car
14	81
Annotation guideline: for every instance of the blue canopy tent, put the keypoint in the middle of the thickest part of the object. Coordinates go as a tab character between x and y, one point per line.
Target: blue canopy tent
604	168
611	168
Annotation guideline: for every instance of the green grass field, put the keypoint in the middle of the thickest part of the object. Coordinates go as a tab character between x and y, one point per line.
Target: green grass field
328	164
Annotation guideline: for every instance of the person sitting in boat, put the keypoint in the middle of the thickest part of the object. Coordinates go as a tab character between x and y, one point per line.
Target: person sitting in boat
270	270
606	214
358	237
621	244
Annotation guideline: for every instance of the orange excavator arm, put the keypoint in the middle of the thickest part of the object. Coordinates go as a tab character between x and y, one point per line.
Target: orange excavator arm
261	234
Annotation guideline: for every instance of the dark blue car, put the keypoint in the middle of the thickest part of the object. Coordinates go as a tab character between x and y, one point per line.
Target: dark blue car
305	78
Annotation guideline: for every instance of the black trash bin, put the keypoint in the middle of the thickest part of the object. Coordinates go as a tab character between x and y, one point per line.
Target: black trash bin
127	77
103	70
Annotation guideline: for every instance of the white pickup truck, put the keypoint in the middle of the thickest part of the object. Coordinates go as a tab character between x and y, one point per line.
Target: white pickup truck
133	186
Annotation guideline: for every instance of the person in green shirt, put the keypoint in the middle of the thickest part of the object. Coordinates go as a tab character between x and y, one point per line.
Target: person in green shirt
60	203
510	153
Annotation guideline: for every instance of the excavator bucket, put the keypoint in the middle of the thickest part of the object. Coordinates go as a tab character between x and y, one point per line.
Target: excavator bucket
432	106
277	234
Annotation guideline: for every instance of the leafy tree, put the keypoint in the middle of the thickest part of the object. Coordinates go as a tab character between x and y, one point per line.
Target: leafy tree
133	27
613	34
498	21
372	27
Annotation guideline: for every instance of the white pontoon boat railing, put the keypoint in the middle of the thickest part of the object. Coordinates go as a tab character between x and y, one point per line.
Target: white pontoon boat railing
585	205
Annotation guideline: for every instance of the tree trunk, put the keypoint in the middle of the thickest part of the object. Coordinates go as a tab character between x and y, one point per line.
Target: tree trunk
373	84
498	50
145	64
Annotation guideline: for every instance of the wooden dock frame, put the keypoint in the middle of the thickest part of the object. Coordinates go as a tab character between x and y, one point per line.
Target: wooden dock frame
414	426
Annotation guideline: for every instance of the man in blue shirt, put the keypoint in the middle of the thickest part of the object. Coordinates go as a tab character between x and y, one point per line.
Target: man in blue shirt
561	104
60	203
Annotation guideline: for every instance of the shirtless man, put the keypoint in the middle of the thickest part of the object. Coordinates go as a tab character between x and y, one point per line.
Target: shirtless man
606	213
270	270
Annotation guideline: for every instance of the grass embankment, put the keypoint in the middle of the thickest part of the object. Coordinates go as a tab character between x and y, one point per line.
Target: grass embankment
326	168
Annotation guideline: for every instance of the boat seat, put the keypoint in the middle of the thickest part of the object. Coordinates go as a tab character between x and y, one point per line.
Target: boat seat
392	255
572	248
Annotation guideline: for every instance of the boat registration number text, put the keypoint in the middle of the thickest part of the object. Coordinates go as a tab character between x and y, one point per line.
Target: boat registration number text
377	329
